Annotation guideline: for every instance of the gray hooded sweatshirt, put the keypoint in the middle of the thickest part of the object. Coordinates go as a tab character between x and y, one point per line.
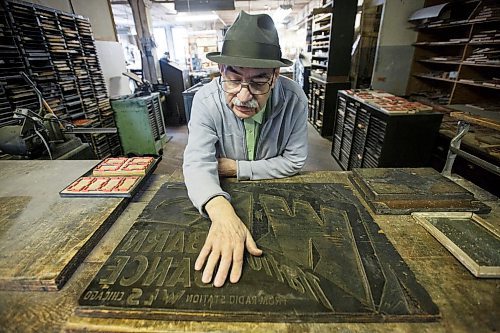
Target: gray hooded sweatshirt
215	131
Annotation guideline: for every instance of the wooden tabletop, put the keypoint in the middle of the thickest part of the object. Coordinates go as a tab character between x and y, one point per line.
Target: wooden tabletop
467	304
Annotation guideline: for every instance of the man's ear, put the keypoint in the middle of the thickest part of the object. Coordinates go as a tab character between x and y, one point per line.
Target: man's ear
276	73
222	68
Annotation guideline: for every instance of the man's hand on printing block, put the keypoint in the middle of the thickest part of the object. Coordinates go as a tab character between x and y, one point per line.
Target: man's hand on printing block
226	242
226	167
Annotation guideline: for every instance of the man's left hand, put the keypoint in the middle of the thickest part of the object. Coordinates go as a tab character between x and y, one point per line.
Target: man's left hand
227	167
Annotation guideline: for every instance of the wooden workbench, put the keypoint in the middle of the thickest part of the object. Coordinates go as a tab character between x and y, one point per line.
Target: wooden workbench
467	304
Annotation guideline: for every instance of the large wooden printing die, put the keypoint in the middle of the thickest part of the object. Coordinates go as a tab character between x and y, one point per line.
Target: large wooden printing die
324	260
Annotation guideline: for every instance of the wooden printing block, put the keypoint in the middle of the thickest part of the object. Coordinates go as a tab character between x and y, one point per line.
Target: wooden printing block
406	190
324	261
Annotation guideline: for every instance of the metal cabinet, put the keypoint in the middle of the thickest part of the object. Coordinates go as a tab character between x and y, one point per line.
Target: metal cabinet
366	137
140	124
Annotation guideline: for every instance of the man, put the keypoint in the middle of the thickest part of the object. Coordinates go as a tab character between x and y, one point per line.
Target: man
250	123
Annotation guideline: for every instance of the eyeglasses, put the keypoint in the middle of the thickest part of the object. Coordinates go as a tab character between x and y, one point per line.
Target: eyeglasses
255	87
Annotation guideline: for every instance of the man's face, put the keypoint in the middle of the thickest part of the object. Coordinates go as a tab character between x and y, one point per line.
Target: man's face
249	100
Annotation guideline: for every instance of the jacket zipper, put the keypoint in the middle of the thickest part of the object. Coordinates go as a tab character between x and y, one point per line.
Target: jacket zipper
242	128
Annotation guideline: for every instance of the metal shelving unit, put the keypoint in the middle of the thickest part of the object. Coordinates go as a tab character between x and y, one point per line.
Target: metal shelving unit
331	37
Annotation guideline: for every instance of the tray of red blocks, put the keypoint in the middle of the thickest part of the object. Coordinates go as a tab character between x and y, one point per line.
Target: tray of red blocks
114	177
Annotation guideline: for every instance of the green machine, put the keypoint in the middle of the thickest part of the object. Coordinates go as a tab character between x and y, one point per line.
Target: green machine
140	124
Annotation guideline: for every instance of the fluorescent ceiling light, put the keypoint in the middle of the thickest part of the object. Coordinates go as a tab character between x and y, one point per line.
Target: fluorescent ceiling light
122	21
280	14
169	7
196	18
286	4
202	32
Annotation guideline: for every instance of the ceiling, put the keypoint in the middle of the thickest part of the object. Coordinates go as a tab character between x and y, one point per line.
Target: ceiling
261	6
163	12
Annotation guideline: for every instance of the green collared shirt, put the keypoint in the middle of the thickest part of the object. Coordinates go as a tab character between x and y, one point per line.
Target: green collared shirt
252	130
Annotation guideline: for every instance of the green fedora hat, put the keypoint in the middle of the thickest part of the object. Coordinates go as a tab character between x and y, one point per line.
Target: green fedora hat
252	41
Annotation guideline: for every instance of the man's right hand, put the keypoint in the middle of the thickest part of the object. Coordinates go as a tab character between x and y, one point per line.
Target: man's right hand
225	244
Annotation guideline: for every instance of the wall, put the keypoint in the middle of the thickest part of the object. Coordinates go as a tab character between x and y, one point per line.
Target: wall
101	18
63	5
112	62
98	12
394	50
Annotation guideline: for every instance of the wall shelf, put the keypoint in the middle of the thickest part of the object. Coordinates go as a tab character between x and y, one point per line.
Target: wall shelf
480	65
449	25
440	62
434	78
479	85
321	38
485	43
474	62
445	43
478	21
464	63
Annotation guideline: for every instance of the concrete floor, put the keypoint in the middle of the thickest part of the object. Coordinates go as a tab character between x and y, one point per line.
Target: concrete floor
319	157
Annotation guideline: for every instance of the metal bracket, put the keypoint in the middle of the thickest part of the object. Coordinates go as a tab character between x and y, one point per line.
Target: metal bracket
454	151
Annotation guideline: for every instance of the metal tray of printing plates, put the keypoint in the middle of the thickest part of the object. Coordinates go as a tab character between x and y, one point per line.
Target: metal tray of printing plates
65	193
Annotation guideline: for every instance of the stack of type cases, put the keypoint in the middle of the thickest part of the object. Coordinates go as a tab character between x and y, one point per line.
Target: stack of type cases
366	136
310	106
316	104
154	114
349	123
28	25
109	143
339	126
57	51
374	140
10	64
62	51
158	120
80	74
351	135
320	106
360	132
53	43
14	91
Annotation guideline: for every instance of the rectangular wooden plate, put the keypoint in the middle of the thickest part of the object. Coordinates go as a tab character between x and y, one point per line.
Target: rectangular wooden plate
325	260
472	240
405	190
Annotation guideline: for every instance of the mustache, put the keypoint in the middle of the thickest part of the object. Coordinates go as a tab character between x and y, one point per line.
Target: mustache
248	104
